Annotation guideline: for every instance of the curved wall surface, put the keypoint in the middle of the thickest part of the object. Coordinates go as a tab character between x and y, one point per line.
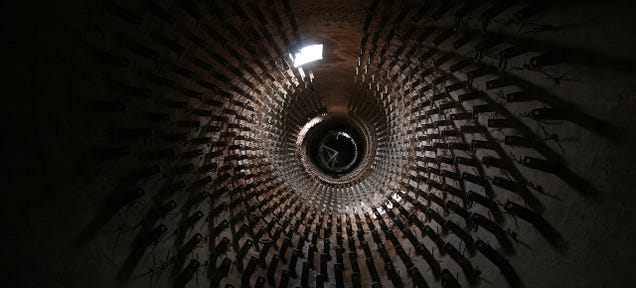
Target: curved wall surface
169	144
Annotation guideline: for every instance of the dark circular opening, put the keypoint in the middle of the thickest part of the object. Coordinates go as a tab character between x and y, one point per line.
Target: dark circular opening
335	146
337	151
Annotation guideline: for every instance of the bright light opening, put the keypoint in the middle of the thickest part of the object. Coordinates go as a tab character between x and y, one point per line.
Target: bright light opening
307	54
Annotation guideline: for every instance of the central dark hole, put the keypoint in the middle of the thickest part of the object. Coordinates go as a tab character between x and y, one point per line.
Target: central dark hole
335	146
337	151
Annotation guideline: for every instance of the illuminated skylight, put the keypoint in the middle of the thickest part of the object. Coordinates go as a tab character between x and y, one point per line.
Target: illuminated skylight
307	54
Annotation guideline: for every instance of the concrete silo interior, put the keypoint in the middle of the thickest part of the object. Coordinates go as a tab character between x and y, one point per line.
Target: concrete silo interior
161	143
